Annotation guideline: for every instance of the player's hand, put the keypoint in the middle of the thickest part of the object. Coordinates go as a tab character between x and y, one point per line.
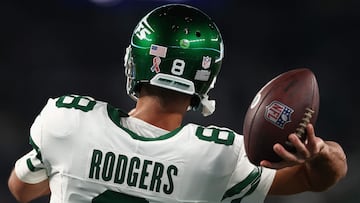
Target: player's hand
304	151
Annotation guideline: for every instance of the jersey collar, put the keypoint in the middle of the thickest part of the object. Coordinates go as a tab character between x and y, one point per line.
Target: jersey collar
115	115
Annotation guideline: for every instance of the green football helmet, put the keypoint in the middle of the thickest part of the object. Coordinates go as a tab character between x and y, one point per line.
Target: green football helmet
177	47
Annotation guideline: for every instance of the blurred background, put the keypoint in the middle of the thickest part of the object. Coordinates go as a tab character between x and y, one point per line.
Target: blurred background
51	48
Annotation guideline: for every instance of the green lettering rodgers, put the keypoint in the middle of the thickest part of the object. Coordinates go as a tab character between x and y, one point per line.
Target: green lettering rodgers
132	171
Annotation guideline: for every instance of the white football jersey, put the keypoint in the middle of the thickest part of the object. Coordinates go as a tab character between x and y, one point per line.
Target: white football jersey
93	152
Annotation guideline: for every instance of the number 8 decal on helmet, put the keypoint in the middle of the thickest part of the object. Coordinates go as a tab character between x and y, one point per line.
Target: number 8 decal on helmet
178	67
177	47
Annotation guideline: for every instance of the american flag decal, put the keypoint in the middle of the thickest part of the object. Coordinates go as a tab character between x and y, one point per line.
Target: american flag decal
157	50
278	114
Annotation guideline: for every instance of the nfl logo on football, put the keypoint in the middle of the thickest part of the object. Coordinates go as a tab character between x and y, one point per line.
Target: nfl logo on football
278	114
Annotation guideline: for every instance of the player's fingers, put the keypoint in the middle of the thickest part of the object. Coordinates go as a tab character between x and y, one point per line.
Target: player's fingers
314	144
286	155
310	133
301	151
288	158
274	165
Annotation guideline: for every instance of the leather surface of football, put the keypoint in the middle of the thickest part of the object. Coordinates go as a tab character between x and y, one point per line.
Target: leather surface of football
285	105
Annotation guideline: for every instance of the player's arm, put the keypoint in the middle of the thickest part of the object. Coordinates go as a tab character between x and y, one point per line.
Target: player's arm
29	178
316	166
25	192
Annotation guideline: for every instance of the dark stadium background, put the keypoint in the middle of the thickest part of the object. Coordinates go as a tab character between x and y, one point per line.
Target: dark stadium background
51	48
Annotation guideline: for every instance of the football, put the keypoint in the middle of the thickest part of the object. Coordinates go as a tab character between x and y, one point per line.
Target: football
285	105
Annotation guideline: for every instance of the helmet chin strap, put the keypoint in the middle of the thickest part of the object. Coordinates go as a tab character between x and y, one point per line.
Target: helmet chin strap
208	106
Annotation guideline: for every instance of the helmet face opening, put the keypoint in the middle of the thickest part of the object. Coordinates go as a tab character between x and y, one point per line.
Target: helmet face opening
177	47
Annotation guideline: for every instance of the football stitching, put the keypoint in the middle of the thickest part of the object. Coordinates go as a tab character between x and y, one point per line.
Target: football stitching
301	130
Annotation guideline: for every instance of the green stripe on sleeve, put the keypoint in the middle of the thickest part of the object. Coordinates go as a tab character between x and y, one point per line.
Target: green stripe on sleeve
37	149
252	179
30	165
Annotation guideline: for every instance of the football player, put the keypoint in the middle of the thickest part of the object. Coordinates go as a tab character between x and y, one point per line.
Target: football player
86	150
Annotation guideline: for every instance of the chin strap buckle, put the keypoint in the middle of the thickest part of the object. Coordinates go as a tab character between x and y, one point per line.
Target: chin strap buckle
208	106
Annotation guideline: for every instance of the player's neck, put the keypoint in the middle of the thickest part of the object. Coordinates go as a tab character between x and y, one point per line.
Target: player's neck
165	116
